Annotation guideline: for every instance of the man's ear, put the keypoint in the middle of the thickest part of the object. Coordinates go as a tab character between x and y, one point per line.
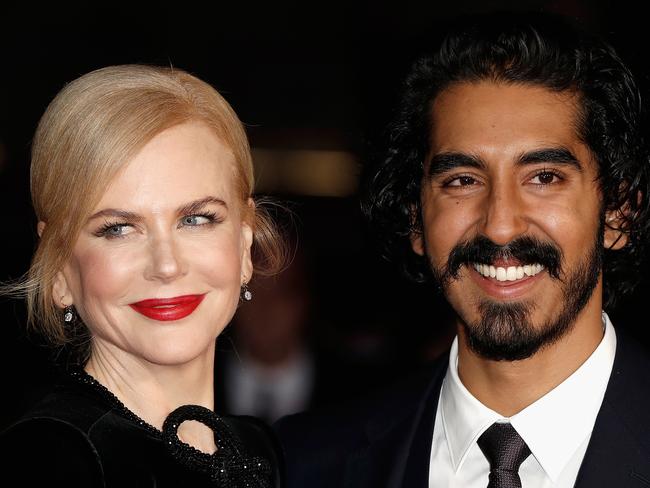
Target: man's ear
415	234
417	242
40	227
61	293
616	224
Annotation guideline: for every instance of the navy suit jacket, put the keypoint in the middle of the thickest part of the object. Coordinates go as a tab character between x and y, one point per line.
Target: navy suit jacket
386	441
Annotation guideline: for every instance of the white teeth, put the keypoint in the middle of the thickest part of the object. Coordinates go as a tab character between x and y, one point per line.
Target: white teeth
511	273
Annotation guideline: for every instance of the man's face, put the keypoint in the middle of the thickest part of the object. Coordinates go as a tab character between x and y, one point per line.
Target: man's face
511	214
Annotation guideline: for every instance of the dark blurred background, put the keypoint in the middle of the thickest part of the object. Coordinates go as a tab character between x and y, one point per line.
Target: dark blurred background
315	82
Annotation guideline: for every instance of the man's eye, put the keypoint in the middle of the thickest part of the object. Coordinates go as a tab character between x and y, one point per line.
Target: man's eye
545	178
461	181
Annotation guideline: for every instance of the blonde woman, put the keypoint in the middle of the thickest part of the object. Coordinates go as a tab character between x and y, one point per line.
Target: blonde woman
141	180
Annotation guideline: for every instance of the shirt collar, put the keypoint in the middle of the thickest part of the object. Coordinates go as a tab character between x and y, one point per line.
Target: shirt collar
567	412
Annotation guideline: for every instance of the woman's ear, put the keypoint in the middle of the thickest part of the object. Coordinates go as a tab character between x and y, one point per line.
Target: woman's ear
248	221
60	290
61	293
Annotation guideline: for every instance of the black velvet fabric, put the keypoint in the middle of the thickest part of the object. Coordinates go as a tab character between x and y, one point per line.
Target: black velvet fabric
75	437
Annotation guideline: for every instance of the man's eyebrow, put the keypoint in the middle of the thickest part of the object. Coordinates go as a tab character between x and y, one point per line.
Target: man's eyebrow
186	209
447	161
556	155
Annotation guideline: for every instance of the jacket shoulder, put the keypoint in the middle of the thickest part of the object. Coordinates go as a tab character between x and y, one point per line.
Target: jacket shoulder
628	390
317	444
619	448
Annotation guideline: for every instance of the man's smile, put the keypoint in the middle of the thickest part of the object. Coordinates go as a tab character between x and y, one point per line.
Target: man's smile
506	282
507	273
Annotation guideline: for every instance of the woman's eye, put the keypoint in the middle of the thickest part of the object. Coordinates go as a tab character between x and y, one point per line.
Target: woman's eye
192	220
545	178
116	230
113	230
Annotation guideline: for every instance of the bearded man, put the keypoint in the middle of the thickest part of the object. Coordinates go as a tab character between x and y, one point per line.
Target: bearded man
517	177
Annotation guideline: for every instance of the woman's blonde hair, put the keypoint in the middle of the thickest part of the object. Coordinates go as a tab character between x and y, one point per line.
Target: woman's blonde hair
92	129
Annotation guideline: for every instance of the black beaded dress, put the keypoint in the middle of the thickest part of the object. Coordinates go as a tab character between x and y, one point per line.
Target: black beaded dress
81	435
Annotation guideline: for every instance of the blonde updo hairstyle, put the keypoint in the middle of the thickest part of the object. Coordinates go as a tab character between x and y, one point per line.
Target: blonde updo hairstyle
90	131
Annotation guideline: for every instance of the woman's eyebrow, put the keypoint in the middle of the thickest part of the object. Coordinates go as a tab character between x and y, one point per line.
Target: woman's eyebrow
185	209
117	213
196	205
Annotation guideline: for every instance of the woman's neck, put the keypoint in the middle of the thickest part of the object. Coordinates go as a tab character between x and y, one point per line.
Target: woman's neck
153	391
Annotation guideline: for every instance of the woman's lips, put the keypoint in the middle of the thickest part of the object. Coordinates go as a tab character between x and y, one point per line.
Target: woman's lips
167	309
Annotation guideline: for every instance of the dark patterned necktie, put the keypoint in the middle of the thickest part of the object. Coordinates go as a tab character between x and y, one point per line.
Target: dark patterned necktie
505	450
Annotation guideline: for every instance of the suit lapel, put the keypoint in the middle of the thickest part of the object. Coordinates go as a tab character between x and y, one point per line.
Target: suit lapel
417	468
399	438
610	457
618	453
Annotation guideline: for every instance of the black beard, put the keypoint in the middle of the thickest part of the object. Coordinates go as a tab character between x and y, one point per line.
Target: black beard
505	332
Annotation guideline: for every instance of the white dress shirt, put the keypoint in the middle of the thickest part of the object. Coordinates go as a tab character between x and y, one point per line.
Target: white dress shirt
557	427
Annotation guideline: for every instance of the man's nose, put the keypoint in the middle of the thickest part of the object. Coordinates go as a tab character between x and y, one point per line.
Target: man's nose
503	214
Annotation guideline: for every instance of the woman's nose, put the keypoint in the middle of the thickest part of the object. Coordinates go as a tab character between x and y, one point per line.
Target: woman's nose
166	262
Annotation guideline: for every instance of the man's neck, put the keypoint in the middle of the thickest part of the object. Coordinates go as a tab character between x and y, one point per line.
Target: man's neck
507	387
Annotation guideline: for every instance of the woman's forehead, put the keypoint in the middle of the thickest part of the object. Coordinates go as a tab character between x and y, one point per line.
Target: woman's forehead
180	164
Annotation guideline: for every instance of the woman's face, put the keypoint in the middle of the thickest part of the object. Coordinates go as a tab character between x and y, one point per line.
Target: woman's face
157	268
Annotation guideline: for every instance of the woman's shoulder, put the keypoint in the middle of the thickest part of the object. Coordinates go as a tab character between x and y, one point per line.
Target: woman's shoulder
67	402
48	451
50	443
256	436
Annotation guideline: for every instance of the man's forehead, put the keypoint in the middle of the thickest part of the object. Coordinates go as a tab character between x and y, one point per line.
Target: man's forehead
500	121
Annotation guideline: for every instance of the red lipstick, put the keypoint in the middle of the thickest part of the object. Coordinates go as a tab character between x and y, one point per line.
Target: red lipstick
167	309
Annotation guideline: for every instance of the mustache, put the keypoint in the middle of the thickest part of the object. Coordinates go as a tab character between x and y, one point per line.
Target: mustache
525	249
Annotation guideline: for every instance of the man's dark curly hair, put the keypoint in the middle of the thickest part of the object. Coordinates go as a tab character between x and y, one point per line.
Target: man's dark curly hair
533	49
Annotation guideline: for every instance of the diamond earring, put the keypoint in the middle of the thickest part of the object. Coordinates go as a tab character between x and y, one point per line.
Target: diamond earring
68	314
245	293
